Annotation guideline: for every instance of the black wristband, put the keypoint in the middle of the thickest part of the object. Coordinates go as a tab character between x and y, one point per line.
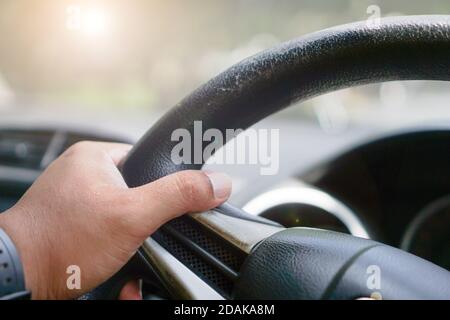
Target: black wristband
12	279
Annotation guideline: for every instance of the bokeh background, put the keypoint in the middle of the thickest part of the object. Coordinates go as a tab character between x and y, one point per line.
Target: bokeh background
124	62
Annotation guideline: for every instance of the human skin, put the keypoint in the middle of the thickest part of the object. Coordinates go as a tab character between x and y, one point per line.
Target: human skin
81	212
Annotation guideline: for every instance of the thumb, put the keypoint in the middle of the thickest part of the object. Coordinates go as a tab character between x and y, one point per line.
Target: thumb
179	193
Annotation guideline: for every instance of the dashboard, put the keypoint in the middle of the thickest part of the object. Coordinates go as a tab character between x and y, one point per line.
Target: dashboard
399	186
393	188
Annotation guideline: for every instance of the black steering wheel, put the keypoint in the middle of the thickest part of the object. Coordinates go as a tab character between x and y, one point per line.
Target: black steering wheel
226	253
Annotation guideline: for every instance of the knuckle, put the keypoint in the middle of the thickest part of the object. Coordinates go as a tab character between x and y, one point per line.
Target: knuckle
78	147
191	188
81	145
185	188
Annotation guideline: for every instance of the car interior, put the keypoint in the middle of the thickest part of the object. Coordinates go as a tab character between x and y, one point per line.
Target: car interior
346	197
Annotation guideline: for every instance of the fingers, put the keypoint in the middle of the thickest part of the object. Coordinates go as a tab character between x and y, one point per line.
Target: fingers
181	192
131	291
152	205
100	159
115	151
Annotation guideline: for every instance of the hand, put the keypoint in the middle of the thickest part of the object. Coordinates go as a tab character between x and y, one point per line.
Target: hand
81	212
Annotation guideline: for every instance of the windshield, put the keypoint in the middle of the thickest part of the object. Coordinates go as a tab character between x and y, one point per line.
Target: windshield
131	60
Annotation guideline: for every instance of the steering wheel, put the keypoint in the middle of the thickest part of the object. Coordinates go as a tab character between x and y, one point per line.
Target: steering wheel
229	254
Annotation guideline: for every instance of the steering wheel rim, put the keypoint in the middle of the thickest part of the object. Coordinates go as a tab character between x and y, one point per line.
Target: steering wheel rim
399	48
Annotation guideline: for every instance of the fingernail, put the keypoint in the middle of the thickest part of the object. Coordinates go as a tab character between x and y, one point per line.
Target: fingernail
221	184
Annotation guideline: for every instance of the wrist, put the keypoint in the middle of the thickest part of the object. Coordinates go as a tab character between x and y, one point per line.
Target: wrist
12	281
15	231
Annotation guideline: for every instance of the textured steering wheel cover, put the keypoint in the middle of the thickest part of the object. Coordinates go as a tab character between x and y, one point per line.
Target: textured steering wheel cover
400	48
313	264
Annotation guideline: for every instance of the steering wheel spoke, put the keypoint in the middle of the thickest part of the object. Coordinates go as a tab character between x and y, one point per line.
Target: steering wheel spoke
201	255
179	280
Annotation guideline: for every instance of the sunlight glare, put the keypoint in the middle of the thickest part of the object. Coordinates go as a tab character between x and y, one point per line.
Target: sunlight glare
90	21
95	22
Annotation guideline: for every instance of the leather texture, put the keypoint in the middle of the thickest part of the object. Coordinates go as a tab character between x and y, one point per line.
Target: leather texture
301	263
400	48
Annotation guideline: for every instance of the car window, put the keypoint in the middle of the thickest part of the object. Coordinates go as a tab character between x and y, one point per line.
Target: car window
131	60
